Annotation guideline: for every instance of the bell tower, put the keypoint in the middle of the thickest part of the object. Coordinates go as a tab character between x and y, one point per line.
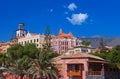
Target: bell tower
21	32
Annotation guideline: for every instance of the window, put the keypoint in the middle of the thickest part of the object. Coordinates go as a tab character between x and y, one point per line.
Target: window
34	40
37	45
66	43
30	41
59	42
25	42
63	42
75	67
84	50
22	43
37	40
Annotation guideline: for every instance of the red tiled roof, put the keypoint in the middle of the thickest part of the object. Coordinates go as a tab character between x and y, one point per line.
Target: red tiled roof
33	34
79	55
61	34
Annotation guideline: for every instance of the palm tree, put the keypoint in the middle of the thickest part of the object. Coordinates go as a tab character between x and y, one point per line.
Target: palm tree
20	67
42	66
3	62
19	60
3	59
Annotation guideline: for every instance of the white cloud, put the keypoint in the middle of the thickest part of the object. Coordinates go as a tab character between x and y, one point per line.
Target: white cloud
72	6
77	19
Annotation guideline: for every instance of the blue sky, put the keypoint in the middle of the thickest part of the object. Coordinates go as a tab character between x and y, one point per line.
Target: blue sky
81	17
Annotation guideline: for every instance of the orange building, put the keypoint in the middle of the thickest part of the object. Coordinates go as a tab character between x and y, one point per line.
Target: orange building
4	46
62	42
80	65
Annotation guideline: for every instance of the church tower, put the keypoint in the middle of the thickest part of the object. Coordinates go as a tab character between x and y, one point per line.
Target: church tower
60	32
21	32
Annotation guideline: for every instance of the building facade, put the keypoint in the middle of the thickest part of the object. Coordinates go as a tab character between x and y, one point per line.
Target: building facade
23	37
62	42
82	48
4	46
19	33
79	65
32	38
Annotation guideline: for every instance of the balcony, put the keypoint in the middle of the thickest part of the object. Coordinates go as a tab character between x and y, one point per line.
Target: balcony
74	73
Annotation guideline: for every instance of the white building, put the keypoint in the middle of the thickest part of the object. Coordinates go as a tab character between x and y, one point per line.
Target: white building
21	32
32	38
82	49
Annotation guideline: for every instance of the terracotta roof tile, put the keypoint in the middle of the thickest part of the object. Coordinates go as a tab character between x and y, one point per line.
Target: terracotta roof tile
33	34
80	55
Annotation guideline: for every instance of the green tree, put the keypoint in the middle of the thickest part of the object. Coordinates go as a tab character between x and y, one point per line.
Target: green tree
3	62
30	50
102	47
20	56
102	55
47	41
20	66
52	54
42	66
114	55
86	42
3	59
15	52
